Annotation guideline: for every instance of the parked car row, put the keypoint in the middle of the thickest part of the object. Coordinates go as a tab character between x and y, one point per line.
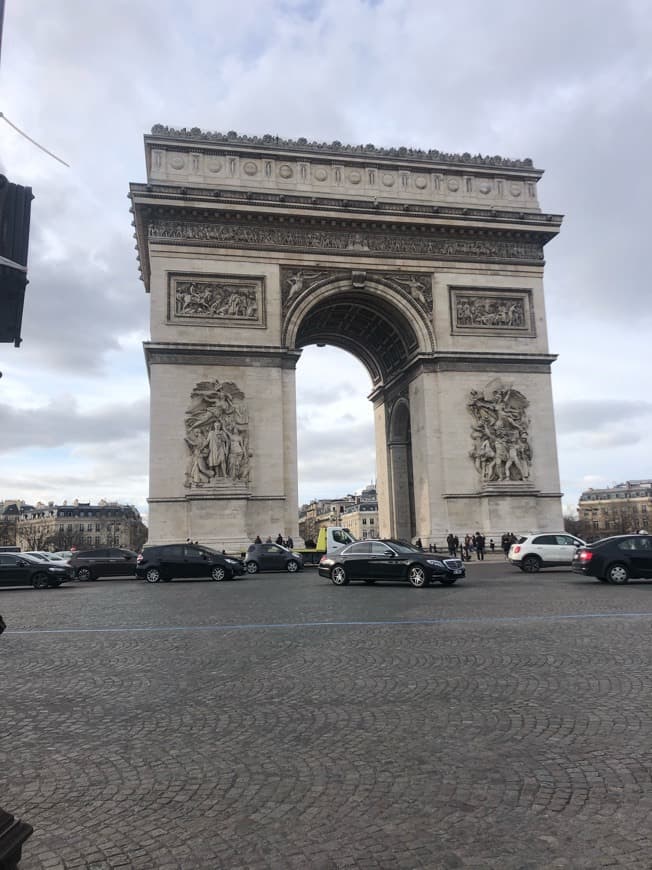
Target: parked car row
615	560
20	569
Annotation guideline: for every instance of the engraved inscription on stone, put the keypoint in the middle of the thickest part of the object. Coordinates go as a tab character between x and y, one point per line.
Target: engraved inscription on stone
500	433
491	310
217	437
216	298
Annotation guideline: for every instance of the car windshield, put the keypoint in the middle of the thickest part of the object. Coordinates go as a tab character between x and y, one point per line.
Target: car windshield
403	547
211	550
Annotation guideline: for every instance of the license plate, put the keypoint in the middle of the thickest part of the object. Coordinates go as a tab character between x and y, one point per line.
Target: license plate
457	571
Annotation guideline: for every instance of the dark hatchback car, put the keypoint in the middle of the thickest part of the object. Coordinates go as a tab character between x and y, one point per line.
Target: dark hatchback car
16	569
107	562
272	557
616	560
389	560
186	561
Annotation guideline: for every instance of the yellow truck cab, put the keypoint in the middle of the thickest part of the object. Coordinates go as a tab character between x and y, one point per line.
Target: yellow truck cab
331	539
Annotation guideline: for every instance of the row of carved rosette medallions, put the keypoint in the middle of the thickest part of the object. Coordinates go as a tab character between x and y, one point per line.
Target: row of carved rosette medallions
219	454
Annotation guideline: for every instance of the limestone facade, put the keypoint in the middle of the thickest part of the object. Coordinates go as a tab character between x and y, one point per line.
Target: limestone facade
427	267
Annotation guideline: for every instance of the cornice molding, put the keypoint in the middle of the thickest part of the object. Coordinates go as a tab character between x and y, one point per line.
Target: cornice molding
337	149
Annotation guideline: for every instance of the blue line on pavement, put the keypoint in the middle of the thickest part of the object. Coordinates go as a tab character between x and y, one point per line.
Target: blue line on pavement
349	623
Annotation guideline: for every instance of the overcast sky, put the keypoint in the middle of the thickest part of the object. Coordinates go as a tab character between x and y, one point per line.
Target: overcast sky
566	83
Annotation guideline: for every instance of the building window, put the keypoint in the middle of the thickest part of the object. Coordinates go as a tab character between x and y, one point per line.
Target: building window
89	527
364	522
97	540
371	521
98	528
81	527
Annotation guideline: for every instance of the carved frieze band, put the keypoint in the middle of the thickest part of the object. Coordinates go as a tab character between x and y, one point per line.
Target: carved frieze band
500	433
216	300
417	286
490	311
232	235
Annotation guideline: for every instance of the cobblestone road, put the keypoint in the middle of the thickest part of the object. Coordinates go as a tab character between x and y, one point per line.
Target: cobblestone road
281	722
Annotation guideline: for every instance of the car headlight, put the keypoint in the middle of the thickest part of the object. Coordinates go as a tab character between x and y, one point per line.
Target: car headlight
436	563
60	570
231	561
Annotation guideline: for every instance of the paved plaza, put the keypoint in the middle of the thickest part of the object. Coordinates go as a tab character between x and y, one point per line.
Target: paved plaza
280	722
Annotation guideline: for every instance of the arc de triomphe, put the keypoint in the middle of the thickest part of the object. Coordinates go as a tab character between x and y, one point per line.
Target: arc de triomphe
428	267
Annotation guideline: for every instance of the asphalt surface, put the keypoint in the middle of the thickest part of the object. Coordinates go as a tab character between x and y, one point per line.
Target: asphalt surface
279	721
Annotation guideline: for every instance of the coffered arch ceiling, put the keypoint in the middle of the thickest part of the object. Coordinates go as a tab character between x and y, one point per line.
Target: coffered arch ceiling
364	323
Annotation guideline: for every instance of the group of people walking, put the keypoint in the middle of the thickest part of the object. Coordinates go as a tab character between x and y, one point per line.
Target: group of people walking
468	545
280	540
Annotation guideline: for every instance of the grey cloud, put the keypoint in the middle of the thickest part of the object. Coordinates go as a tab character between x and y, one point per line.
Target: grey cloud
589	415
55	425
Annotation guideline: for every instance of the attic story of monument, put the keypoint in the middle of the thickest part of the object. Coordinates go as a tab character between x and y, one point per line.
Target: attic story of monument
427	267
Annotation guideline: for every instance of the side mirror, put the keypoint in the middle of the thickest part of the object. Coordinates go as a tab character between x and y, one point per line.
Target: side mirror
21	563
389	553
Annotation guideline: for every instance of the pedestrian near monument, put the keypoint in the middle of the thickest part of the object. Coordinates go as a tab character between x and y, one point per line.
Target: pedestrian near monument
479	545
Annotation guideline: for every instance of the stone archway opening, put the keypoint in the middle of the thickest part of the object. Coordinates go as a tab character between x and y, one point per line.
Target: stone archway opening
364	324
368	323
336	451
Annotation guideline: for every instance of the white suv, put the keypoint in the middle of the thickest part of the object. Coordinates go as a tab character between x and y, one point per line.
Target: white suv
533	552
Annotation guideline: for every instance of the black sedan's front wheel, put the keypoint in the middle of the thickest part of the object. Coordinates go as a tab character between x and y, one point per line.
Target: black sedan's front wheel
417	576
218	572
40	581
292	566
84	574
338	576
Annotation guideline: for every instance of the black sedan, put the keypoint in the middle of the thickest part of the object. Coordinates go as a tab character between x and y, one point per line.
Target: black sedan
17	569
389	560
617	559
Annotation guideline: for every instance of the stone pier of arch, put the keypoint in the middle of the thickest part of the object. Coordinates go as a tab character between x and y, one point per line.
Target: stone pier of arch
427	267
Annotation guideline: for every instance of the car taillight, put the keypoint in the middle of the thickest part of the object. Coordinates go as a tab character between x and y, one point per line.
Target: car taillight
585	556
517	548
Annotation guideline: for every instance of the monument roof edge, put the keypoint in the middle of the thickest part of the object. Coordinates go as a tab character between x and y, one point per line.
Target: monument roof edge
336	149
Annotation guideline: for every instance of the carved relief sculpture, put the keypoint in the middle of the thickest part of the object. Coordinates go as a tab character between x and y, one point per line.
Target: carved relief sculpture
500	433
344	241
491	310
220	298
217	436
